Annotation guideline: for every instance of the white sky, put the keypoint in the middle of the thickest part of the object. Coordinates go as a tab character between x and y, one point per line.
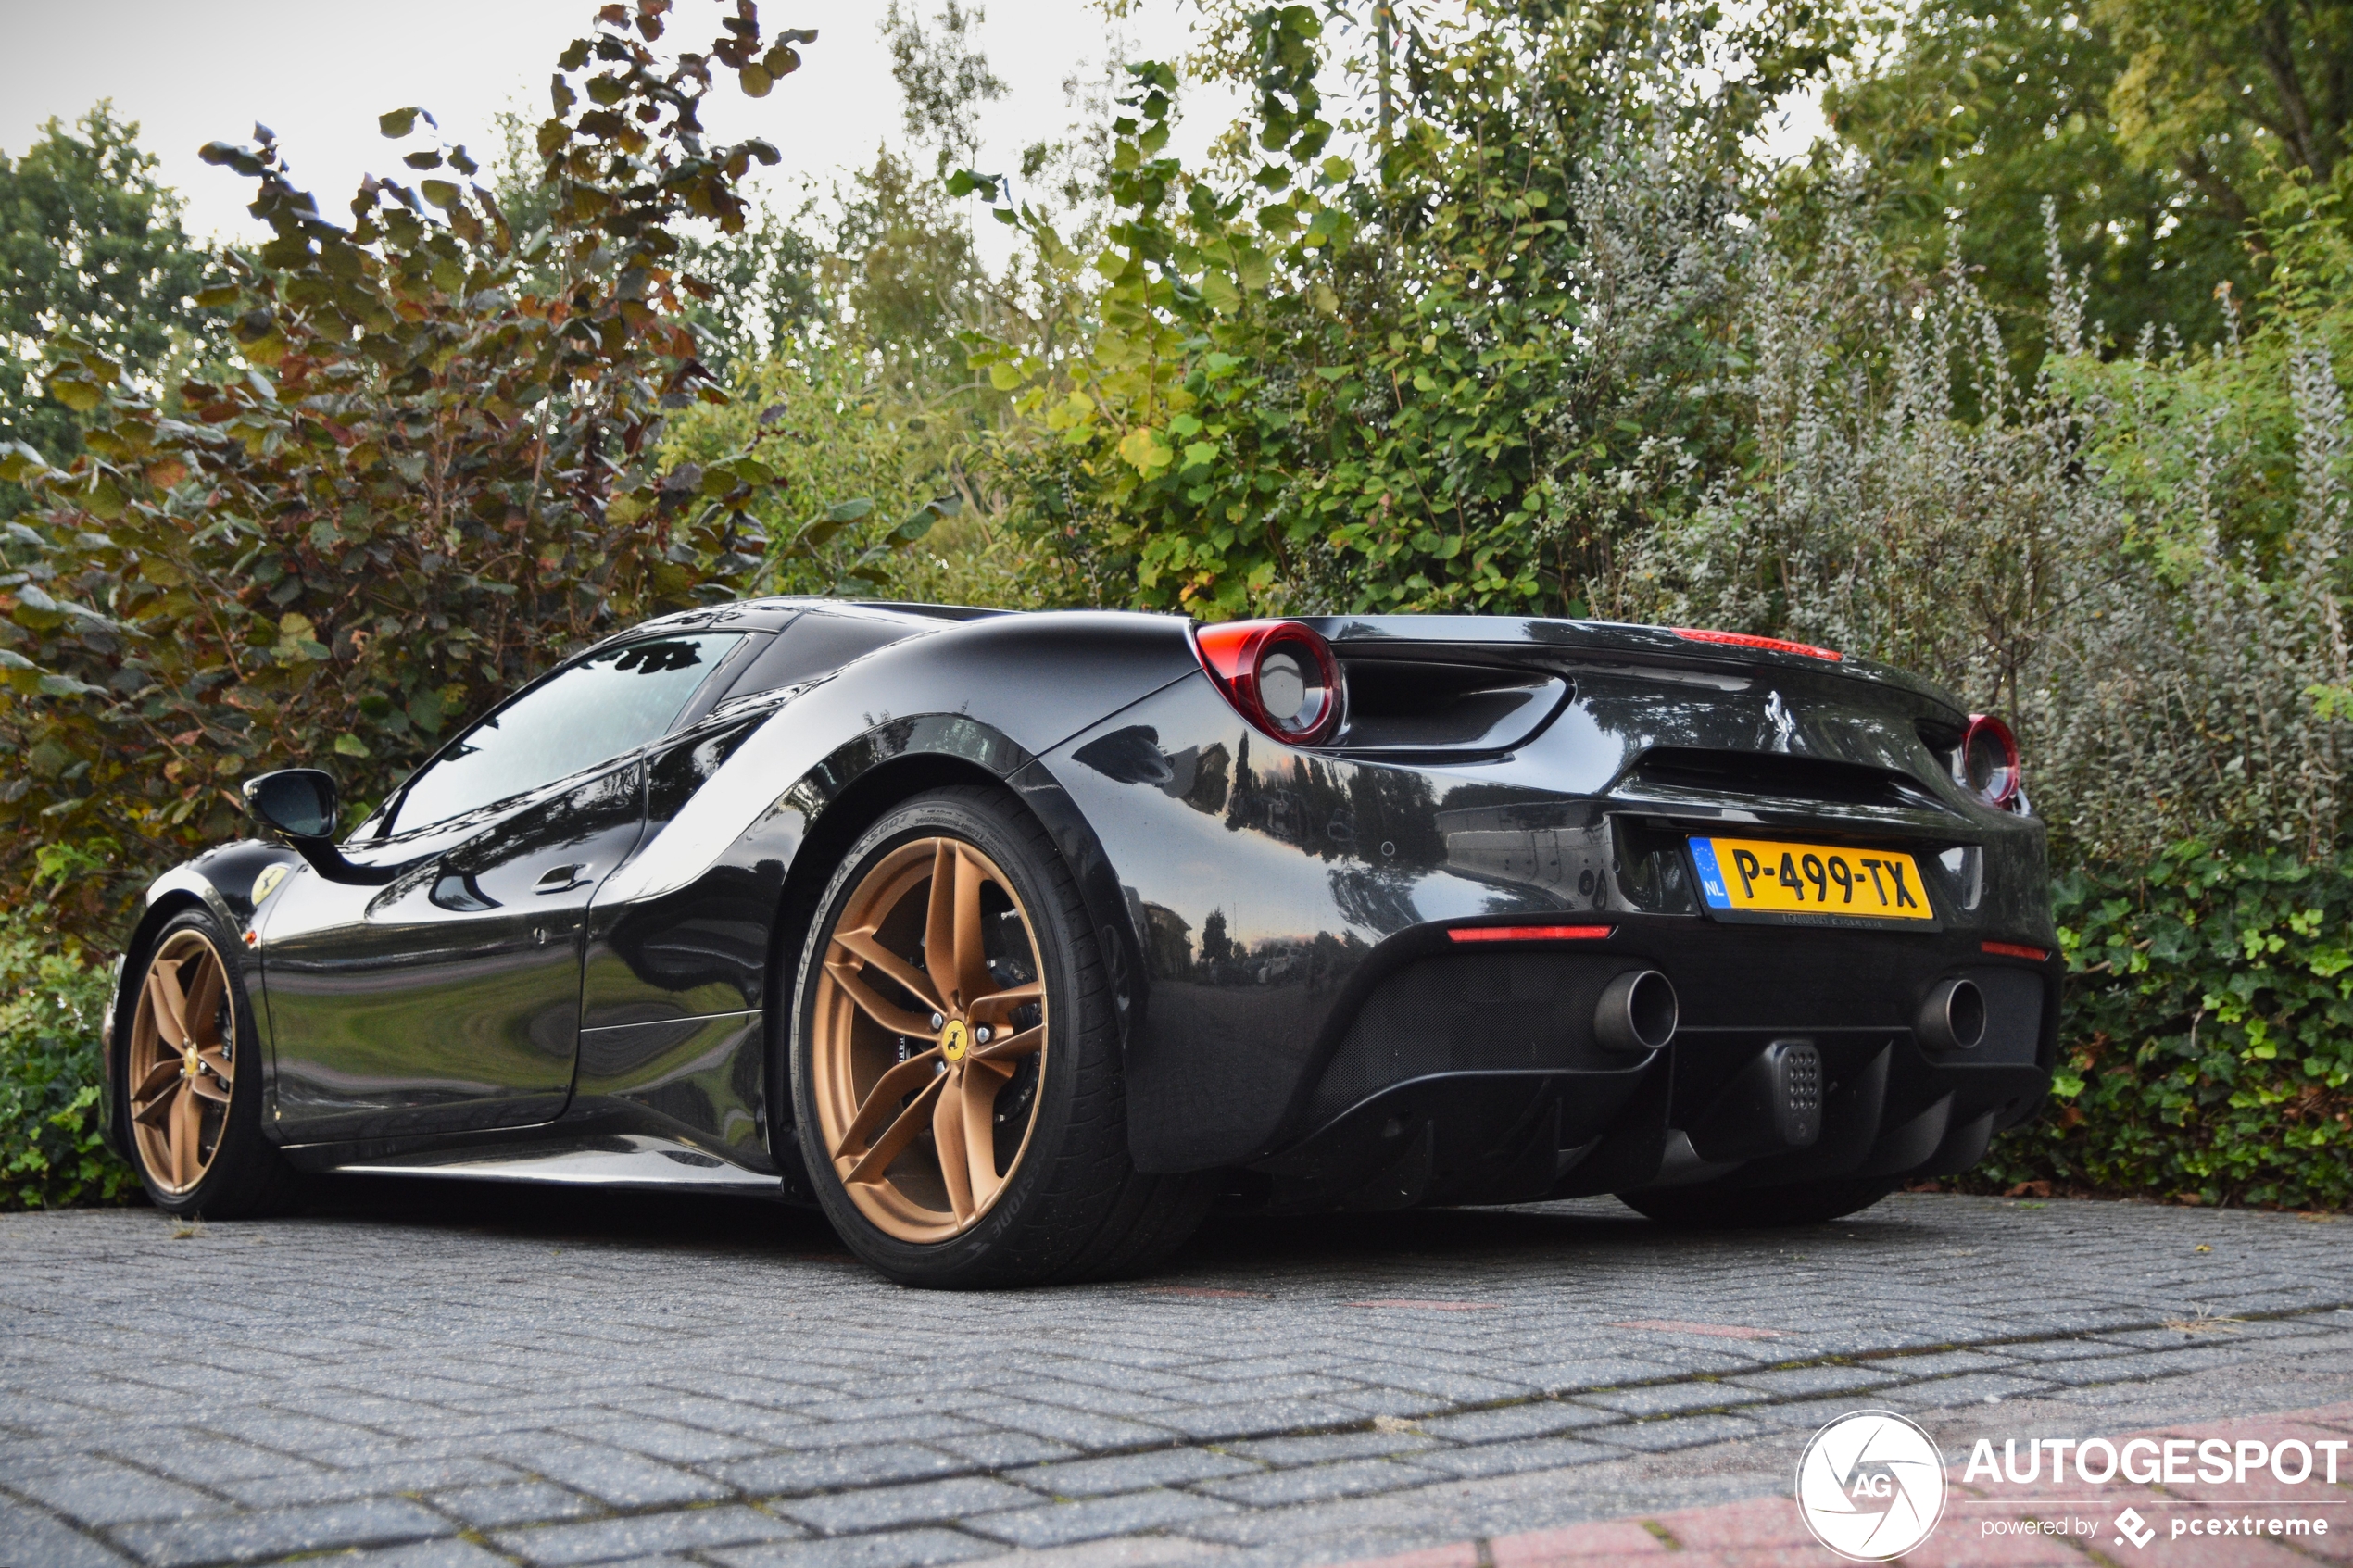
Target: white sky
317	72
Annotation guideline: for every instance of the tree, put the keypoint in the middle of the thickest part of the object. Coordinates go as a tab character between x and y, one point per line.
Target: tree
1974	113
2233	93
943	77
1455	379
91	244
435	474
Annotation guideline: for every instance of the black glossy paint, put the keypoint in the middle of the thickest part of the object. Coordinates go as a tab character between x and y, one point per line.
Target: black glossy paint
451	998
1274	921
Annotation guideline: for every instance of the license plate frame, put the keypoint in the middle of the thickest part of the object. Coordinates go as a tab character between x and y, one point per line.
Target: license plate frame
1744	880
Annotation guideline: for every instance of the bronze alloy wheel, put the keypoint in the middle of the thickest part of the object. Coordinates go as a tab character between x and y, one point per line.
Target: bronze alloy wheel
183	1060
928	1039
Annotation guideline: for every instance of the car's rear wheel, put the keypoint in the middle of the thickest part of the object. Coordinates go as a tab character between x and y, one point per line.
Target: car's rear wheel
1721	1208
954	1069
191	1073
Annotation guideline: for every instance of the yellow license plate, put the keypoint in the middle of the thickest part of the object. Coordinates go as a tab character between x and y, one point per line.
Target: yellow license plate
1809	879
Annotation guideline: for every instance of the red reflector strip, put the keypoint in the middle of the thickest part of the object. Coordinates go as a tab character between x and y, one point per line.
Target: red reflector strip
2015	951
1530	933
1743	640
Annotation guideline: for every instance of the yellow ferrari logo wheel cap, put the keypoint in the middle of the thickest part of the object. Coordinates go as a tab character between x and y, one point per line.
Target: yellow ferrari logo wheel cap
955	1040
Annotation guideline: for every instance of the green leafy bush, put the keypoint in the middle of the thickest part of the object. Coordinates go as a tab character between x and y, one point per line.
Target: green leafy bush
51	1001
2207	1053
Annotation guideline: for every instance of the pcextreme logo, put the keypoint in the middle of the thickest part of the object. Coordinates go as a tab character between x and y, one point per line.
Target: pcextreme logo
1871	1486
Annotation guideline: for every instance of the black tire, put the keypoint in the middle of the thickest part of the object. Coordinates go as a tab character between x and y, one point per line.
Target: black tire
1072	1206
1712	1207
244	1177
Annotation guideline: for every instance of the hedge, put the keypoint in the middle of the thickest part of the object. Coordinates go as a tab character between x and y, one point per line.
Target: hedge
2208	1036
52	999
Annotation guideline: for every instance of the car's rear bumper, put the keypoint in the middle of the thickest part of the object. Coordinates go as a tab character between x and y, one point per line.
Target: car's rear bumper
1475	1076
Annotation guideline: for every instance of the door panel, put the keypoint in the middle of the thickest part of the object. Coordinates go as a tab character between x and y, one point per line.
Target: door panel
448	1000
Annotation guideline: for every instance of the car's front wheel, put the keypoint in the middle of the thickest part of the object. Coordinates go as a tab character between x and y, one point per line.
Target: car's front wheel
955	1080
192	1072
1799	1203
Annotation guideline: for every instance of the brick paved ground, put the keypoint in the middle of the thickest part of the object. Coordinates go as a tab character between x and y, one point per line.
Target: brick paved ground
456	1375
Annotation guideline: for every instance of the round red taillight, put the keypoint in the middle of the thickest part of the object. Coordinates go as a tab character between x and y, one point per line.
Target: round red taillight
1987	762
1281	676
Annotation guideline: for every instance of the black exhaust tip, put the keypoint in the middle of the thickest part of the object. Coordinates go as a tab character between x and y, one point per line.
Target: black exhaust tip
1953	1019
1637	1013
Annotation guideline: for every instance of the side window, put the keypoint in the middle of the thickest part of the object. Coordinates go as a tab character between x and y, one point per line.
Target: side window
599	708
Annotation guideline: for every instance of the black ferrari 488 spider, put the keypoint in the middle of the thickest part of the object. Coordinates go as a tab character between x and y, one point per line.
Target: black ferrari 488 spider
1015	941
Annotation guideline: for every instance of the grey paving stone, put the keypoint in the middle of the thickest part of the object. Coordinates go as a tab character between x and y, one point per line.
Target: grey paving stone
744	1417
1063	1523
661	1439
1323	1448
813	1470
450	1553
1456	1388
113	1494
624	1480
1571	1374
1084	1428
924	1503
373	1480
30	1536
1535	1419
1943	1393
250	1537
1396	1403
931	1427
1253	1419
1002	1450
1801	1382
1809	1415
202	1460
1127	1472
1944	1364
2042	1351
522	1502
1316	1482
1668	1398
604	1540
1673	1432
895	1549
1515	1458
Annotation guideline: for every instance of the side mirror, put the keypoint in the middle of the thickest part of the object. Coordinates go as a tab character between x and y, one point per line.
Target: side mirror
298	802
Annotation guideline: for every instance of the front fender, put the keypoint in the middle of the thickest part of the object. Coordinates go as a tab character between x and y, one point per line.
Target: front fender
222	881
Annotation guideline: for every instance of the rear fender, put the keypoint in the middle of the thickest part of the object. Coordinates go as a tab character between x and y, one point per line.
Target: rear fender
745	913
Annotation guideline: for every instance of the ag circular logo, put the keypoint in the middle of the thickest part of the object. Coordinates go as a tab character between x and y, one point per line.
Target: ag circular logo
1871	1486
